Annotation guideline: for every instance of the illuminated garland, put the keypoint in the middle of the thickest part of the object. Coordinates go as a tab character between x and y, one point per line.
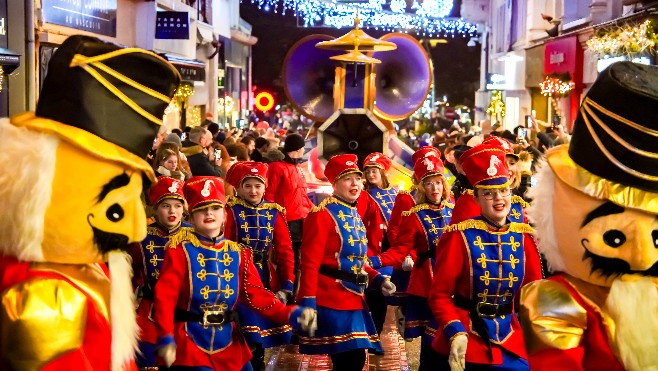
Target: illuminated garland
496	106
425	19
555	87
624	40
2	76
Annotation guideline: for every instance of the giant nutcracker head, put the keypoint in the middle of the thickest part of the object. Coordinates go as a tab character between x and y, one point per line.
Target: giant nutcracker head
596	203
73	172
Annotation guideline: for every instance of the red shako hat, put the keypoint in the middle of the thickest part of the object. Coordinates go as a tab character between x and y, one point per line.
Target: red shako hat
340	165
246	169
166	188
502	143
378	160
428	166
425	151
485	166
204	191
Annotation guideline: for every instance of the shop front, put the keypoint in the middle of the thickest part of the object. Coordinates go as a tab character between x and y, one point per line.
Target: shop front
563	79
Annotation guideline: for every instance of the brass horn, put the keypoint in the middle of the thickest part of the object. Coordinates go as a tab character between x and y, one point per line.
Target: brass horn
403	78
308	77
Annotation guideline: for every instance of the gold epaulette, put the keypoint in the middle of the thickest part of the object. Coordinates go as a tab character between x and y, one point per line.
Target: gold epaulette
324	203
185	234
479	224
516	199
425	206
233	246
468	191
153	231
232	200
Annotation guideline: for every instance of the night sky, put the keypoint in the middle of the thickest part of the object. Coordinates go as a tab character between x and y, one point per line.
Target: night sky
456	66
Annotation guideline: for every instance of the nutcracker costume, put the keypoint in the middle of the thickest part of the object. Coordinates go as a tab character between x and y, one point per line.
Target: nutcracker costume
467	208
147	258
481	266
598	312
261	227
424	225
71	184
333	273
404	201
375	205
202	281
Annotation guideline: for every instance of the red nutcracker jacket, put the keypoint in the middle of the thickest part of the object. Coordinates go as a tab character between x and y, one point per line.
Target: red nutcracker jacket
482	264
423	227
563	329
253	226
286	185
200	275
373	220
55	316
333	237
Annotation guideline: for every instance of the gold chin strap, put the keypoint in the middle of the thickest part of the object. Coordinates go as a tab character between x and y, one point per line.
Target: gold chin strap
587	112
93	64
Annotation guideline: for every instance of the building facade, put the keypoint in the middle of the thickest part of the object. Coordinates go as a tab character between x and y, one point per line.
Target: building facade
203	40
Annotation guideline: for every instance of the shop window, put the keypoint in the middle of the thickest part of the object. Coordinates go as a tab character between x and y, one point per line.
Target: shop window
575	10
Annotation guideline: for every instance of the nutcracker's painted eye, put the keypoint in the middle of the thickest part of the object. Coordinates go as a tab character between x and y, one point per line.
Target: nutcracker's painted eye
115	213
616	238
654	236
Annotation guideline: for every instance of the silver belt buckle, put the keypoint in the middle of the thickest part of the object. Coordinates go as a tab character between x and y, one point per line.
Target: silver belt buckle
219	314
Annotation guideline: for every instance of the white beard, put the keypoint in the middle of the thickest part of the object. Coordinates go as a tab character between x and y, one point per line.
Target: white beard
633	306
122	313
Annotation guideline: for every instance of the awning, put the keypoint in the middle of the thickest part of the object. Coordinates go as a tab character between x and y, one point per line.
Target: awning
190	70
9	60
243	38
204	34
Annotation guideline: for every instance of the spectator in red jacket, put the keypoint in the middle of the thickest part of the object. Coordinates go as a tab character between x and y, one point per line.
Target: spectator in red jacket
287	187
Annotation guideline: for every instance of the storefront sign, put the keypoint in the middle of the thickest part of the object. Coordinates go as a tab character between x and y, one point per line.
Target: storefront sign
495	81
97	16
190	70
172	25
564	56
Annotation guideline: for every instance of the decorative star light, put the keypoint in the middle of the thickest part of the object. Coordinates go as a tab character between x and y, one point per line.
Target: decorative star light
427	18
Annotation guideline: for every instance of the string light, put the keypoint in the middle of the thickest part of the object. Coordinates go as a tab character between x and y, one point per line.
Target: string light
225	104
624	40
496	107
425	19
2	77
555	87
193	116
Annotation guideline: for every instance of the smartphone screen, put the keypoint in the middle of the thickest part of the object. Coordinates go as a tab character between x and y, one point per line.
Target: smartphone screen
183	136
218	153
521	135
528	121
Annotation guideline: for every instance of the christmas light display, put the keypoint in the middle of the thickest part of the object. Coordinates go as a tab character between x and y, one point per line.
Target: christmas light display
496	109
193	116
225	104
624	40
554	87
426	18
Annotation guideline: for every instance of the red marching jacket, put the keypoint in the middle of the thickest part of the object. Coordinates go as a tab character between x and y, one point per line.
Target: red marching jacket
281	260
403	202
286	185
181	290
463	270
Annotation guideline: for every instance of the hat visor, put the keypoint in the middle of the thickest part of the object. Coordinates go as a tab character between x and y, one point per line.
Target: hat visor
431	173
207	204
491	183
595	186
85	141
346	172
169	196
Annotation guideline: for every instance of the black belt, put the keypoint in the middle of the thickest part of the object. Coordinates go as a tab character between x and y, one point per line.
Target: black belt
357	279
147	293
477	311
208	318
421	257
260	256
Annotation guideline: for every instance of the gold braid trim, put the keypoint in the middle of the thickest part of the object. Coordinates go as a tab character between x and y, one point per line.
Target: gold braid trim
232	200
327	201
519	200
425	206
155	231
479	224
185	234
468	192
233	246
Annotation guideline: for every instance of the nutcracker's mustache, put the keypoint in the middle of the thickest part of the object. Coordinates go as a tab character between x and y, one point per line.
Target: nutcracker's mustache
613	267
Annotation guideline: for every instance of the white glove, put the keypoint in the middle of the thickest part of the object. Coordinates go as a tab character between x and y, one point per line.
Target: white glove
457	358
388	288
309	321
282	295
407	264
168	354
